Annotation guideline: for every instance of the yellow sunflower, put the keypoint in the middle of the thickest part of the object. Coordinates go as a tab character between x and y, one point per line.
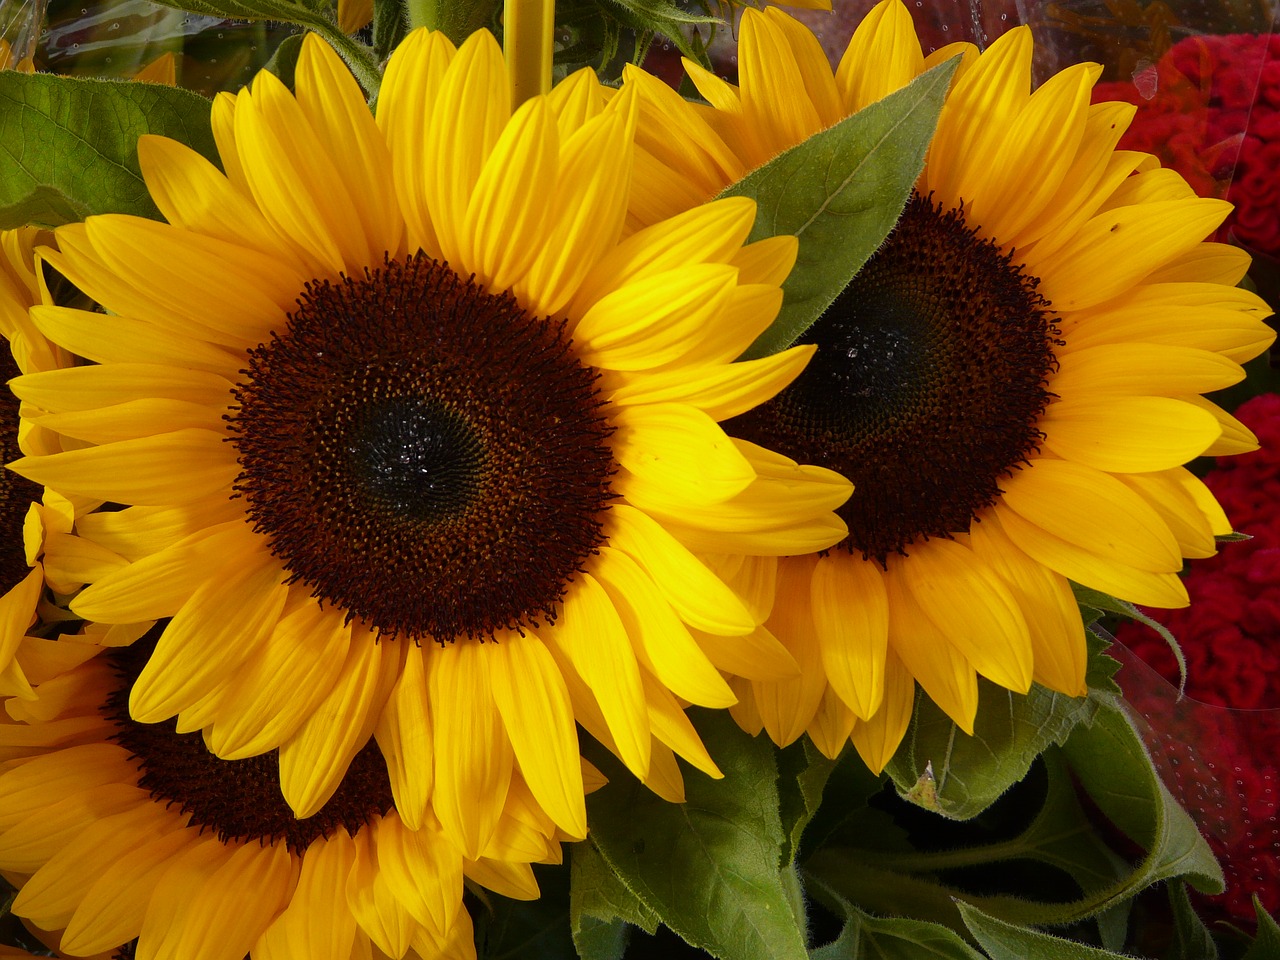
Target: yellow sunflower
412	442
114	830
32	520
1012	383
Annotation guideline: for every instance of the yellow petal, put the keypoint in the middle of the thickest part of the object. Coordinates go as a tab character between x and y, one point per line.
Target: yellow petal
851	614
967	601
404	737
422	869
1083	565
302	929
1094	511
531	697
314	761
877	739
665	646
1047	603
508	210
473	755
170	468
927	652
1128	434
787	707
219	627
409	94
594	637
702	599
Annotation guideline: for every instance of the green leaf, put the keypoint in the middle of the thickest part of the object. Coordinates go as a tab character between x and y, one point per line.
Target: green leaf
708	868
802	774
1006	941
1101	667
601	906
971	772
1191	938
1266	945
840	192
865	937
284	61
1109	760
1097	600
69	146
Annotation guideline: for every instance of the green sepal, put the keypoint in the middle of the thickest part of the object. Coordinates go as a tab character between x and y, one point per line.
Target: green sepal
1006	941
1097	600
840	192
69	145
1266	944
1191	938
711	868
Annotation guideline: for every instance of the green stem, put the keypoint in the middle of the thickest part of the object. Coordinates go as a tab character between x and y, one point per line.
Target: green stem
528	31
361	59
424	13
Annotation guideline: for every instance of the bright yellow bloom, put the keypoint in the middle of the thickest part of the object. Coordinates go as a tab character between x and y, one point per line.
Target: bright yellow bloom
410	367
33	520
114	830
1012	383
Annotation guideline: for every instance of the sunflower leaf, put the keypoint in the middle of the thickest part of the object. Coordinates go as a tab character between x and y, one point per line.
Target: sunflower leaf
68	145
1010	731
1266	945
802	774
1007	941
865	937
840	192
1191	938
710	867
601	908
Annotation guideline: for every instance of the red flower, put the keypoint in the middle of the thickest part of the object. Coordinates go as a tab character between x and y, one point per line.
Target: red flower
1212	116
1224	764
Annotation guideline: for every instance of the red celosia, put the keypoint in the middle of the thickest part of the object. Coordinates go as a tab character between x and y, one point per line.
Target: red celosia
1210	109
1224	764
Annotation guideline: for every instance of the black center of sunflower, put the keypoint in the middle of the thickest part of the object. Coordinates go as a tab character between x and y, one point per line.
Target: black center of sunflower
416	458
424	454
927	387
16	493
236	799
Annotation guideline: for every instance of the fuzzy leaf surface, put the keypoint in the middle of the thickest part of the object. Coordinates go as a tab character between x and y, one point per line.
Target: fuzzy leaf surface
1010	731
69	145
710	868
1005	941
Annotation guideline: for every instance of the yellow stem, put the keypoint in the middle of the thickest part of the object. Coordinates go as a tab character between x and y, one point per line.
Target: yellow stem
528	26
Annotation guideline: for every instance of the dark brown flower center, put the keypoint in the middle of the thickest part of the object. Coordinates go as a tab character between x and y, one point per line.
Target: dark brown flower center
16	493
928	384
424	454
236	799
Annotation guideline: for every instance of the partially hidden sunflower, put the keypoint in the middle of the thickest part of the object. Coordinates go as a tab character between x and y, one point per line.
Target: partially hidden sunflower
1012	382
31	518
412	441
122	833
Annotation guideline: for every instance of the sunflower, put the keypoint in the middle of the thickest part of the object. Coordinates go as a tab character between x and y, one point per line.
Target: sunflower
1012	382
411	441
32	520
114	830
